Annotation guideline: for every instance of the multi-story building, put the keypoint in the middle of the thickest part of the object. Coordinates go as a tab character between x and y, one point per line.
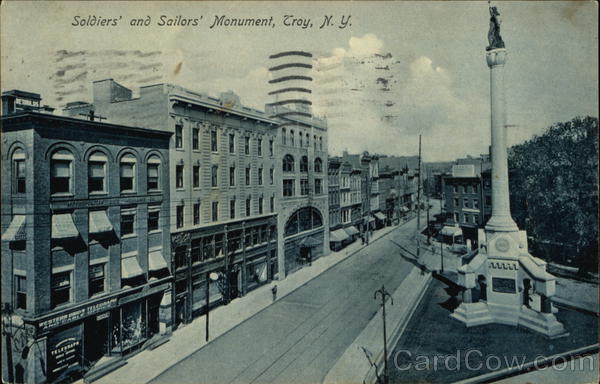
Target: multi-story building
388	198
333	174
351	199
302	192
463	200
85	244
224	167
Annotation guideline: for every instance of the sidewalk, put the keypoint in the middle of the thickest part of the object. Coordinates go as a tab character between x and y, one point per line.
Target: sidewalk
187	339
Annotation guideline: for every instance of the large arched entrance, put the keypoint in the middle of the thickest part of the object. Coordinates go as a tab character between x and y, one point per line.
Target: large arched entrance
304	238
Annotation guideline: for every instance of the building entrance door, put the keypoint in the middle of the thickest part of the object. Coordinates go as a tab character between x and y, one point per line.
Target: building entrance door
96	337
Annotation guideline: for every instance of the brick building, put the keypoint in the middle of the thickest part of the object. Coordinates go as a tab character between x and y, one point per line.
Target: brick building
224	169
85	243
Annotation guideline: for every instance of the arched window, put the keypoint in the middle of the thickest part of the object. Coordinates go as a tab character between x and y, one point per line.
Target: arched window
283	136
318	165
97	172
18	162
127	170
315	141
61	171
304	219
300	136
288	163
292	137
320	143
304	164
153	170
307	140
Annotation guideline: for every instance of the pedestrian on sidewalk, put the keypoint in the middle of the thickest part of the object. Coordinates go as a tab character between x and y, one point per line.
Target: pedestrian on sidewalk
274	292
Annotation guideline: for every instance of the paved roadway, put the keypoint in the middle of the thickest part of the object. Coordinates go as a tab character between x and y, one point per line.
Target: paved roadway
299	338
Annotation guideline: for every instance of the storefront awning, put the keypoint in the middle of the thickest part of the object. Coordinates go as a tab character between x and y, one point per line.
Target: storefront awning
451	231
371	219
63	227
130	267
380	216
404	209
99	222
338	235
351	230
16	229
309	242
156	261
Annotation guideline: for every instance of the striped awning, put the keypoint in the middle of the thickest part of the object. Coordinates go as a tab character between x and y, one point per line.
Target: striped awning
338	235
156	260
63	227
99	222
16	229
130	267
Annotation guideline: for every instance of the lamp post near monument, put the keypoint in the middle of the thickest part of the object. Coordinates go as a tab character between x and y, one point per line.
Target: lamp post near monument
503	263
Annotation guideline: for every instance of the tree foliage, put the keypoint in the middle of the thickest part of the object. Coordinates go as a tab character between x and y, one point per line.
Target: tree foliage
554	187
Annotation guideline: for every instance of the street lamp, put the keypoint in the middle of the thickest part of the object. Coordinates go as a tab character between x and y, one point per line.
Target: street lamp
214	277
384	294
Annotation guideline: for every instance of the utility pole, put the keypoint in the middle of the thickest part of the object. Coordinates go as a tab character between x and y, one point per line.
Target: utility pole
419	203
384	294
442	256
428	193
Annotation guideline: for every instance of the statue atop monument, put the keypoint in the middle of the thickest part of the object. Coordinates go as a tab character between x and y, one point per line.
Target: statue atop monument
494	38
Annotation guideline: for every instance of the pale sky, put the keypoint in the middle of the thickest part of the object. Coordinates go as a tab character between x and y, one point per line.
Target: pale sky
429	57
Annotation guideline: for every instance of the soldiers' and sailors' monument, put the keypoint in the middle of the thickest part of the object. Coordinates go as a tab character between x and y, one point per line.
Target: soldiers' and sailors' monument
515	287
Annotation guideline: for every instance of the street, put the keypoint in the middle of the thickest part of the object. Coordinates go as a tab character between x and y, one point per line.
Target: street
300	337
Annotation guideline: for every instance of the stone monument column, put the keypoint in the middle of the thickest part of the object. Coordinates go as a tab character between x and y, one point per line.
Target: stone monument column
501	220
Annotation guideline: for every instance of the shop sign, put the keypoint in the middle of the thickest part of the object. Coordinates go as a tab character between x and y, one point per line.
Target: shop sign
64	352
78	314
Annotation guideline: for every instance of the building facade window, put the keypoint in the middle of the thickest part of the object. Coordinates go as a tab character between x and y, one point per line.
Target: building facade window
456	218
20	292
179	136
196	213
307	140
247	145
292	137
288	163
320	143
232	176
466	202
288	188
248	204
60	288
213	141
196	176
96	278
272	204
318	165
195	139
271	148
179	216
214	178
18	160
488	200
260	176
304	187
60	176
153	218
260	205
455	188
215	210
300	139
127	221
127	169
476	203
232	209
283	137
259	145
97	173
247	175
232	143
318	186
179	176
271	176
304	164
153	169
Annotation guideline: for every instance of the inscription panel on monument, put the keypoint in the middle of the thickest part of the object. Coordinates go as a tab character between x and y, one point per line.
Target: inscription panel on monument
503	285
